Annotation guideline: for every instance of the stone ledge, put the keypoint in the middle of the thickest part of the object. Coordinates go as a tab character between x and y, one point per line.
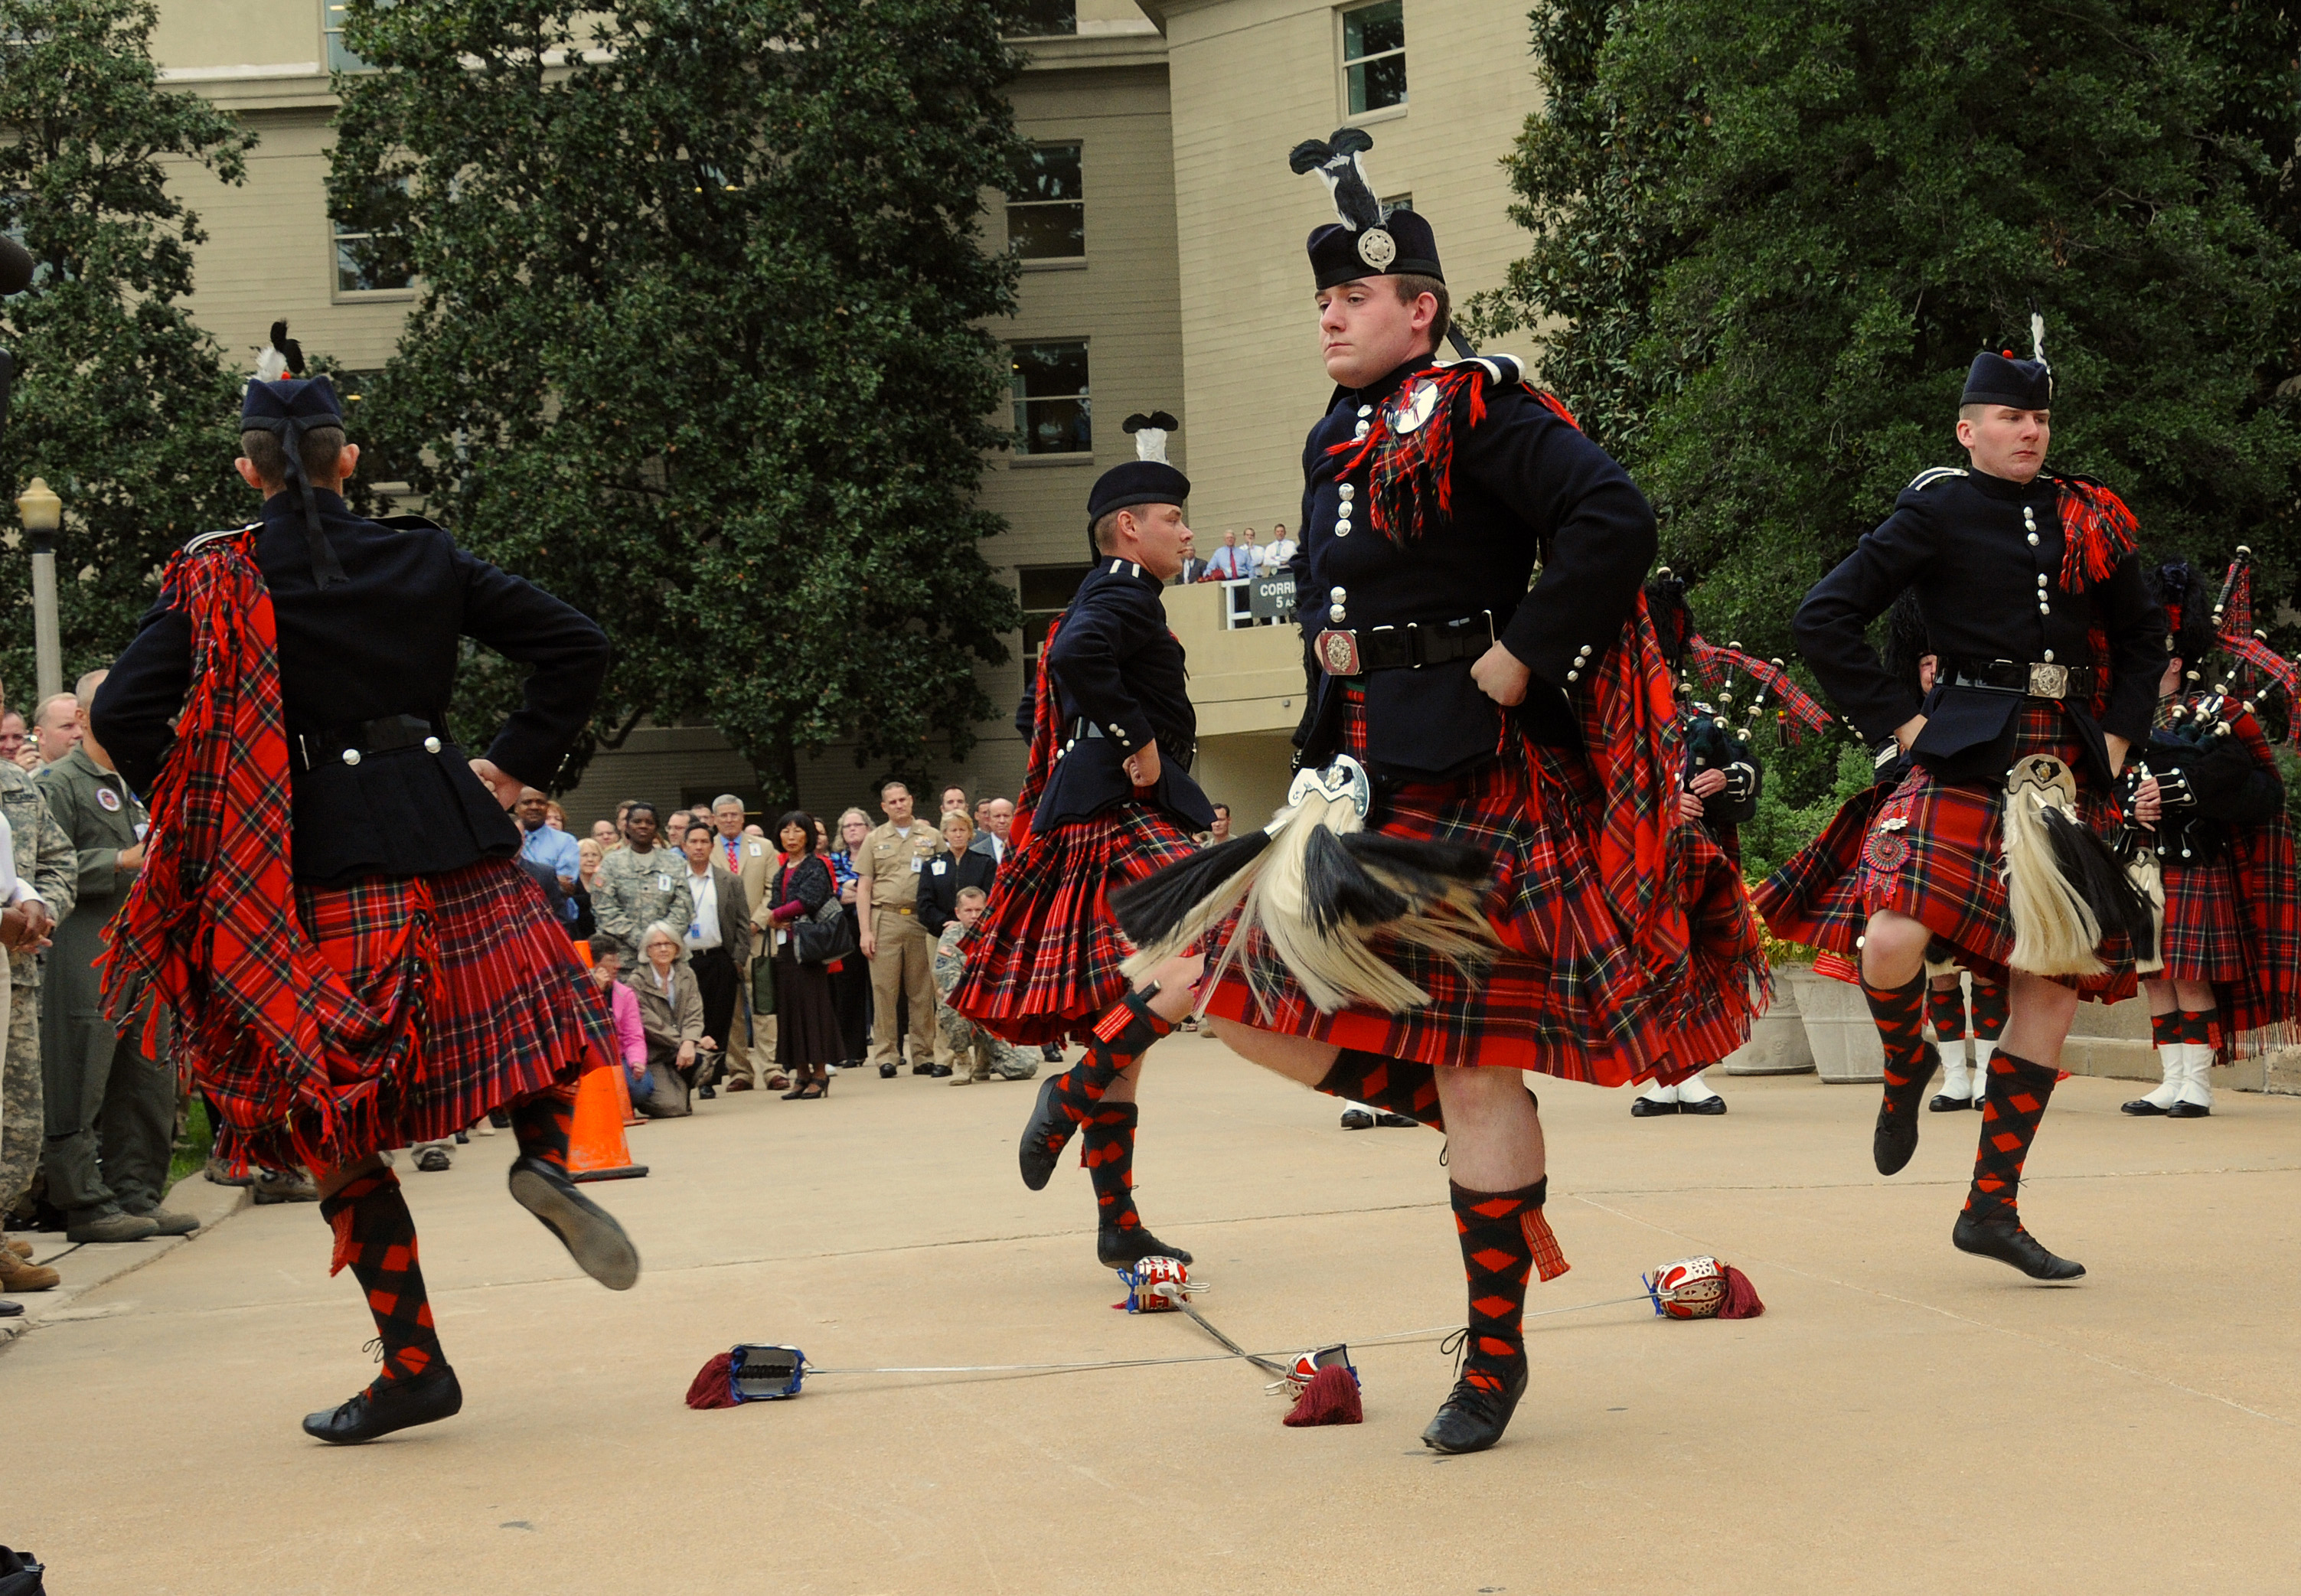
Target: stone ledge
89	1264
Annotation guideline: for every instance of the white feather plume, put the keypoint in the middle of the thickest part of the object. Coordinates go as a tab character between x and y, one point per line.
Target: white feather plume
2036	336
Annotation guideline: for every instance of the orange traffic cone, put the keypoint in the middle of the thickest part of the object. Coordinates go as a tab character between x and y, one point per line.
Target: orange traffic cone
596	1150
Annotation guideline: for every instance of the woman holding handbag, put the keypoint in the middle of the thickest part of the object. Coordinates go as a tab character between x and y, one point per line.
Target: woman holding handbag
801	916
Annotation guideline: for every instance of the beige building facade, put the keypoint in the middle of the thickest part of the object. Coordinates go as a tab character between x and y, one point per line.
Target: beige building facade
1162	270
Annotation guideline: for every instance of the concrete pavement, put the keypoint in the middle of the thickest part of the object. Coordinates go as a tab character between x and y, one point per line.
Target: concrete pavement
1903	1419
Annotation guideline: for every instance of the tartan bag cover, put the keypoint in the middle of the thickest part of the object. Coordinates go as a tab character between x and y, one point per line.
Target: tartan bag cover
2261	1007
292	1056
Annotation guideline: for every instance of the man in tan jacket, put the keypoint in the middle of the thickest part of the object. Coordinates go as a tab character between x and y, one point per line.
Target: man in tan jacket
901	953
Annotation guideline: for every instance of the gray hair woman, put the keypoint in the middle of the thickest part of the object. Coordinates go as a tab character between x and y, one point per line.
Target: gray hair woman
671	1013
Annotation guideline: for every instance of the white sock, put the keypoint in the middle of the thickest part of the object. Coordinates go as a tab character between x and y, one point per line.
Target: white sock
1693	1089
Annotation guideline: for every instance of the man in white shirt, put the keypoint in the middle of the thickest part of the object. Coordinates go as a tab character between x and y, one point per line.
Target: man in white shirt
1226	563
1279	552
717	937
750	1052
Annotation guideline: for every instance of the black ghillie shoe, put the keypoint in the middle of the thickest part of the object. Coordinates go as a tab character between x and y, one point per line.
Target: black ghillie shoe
1119	1249
2002	1237
1713	1104
593	1238
1943	1103
1471	1419
1896	1139
1048	1131
1646	1107
425	1398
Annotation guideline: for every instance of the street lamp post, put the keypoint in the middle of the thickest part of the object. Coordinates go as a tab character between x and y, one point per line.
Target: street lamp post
42	512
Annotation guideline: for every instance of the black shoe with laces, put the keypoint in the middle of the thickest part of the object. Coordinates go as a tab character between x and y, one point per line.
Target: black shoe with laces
1894	1140
2000	1236
1119	1249
1472	1419
390	1405
886	1072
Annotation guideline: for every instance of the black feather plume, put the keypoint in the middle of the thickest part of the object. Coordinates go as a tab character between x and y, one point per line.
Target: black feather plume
1336	889
1427	868
1152	907
2085	862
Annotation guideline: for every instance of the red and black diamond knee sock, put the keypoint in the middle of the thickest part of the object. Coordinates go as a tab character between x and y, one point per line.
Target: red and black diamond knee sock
375	1234
1121	1035
1945	1009
1900	1013
1393	1085
2169	1030
1505	1238
1107	1149
1991	1009
2018	1093
542	1123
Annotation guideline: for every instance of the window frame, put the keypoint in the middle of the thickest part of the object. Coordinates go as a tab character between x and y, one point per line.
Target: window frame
337	237
1346	60
1014	205
1020	401
1035	619
339	56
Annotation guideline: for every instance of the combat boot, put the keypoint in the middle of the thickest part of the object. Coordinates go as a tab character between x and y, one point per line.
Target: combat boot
22	1275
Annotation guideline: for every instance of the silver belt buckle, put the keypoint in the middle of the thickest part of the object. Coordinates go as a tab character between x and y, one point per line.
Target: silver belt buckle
2049	681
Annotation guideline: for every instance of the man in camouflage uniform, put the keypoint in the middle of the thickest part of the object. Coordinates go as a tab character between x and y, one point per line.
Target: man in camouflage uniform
45	862
111	1106
641	883
975	1052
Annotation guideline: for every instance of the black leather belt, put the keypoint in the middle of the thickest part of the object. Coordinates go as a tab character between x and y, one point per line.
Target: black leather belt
1407	648
355	740
1084	727
2017	676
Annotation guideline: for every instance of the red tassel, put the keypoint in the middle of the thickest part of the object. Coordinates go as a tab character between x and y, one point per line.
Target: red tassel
1331	1398
714	1383
341	1220
1741	1301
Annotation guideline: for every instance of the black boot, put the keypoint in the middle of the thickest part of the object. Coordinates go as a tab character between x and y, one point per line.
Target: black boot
1117	1249
1122	1034
1900	1013
390	1405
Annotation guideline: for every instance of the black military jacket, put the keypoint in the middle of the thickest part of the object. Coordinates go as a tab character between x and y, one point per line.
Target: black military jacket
1119	671
1527	486
384	642
1984	556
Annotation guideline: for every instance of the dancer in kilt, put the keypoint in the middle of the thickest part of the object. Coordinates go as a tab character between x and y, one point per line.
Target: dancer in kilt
332	908
1814	898
1488	787
2048	648
2209	810
1106	799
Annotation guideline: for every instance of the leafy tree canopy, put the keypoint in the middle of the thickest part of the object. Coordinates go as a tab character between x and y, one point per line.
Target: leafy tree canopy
697	346
1777	230
120	403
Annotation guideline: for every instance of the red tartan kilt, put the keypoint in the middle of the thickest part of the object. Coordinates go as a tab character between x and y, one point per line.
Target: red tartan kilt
1043	961
1941	866
505	1009
1569	996
2203	938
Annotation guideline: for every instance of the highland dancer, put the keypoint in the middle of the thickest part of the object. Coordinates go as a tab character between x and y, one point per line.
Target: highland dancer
1106	799
332	908
1722	776
2209	811
1481	871
2017	572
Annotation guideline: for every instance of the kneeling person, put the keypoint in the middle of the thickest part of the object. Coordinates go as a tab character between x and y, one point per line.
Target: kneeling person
975	1053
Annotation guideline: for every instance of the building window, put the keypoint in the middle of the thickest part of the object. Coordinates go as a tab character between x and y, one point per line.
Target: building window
340	57
1047	589
357	270
1373	55
1048	219
1052	414
1045	19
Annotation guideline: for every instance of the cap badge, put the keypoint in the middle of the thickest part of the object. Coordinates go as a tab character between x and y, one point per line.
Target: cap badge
1377	248
1416	410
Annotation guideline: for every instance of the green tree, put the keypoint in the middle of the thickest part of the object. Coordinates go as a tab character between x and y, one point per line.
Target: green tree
121	403
698	344
1840	203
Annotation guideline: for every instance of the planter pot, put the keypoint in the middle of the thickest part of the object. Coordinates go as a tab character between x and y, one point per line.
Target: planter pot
1838	1028
1777	1044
